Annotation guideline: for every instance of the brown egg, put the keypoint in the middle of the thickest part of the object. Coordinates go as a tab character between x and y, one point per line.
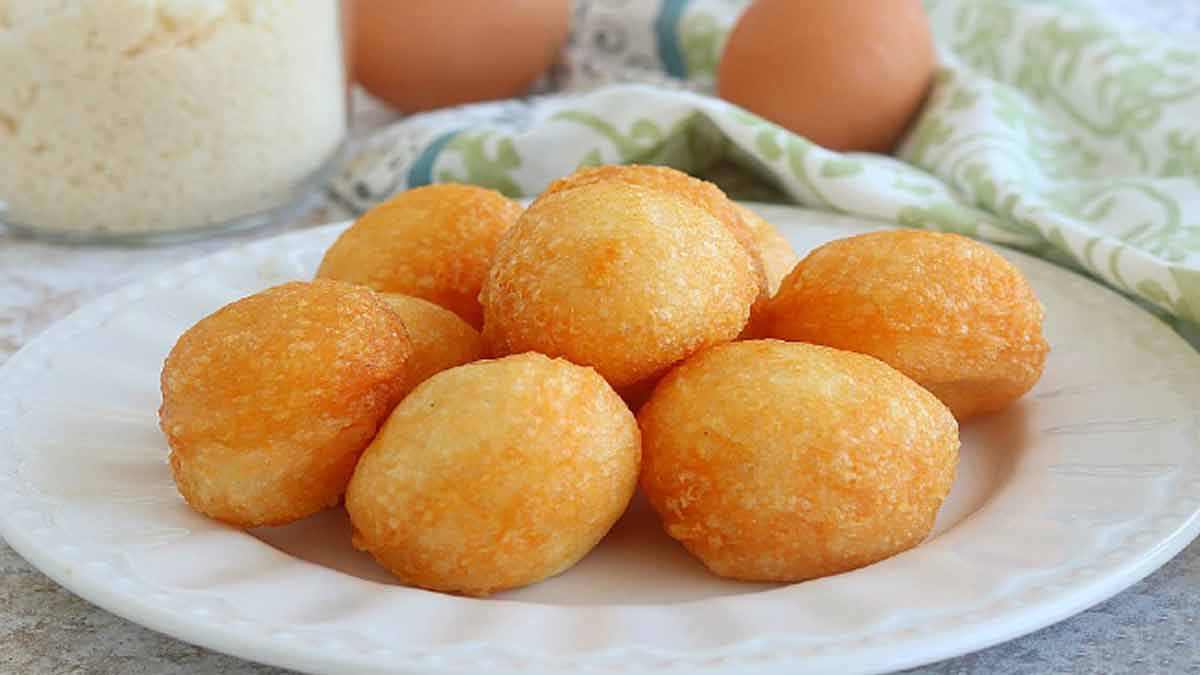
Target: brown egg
846	75
424	54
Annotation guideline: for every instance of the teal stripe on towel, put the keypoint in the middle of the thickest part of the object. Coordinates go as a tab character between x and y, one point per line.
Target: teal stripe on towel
421	171
666	32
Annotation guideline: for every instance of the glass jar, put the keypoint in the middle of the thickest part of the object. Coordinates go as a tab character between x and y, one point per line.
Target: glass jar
159	120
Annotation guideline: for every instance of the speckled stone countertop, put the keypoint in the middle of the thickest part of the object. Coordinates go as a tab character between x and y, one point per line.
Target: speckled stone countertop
1153	627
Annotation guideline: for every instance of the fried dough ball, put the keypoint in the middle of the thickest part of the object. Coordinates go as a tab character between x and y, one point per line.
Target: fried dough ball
431	242
701	193
619	277
778	256
268	402
778	260
439	337
778	461
495	475
945	310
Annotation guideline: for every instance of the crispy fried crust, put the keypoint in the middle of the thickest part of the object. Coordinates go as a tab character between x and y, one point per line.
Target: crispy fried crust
777	254
431	242
698	192
778	258
495	475
619	277
777	461
440	338
268	402
945	310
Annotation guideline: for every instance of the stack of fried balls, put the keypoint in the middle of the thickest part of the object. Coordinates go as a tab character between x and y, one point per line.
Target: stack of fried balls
465	374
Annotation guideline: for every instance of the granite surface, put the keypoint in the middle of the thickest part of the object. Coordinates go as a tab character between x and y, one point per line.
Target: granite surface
1153	627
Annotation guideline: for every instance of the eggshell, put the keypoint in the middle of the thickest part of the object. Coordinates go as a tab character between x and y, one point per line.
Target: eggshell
424	54
846	75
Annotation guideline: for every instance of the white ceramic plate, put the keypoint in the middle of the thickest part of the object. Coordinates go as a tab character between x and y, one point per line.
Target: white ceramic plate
1085	486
